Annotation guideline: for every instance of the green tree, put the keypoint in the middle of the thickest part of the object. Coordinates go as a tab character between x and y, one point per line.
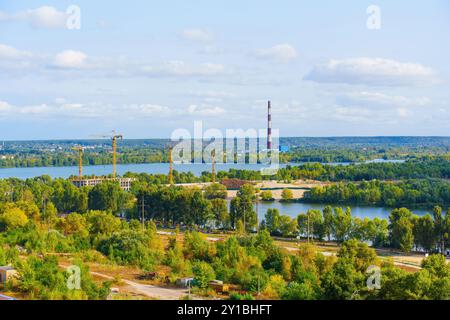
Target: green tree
272	220
220	212
342	282
203	274
288	226
266	195
242	208
359	254
215	191
109	196
342	222
287	195
102	223
328	225
13	218
401	229
439	228
402	232
423	231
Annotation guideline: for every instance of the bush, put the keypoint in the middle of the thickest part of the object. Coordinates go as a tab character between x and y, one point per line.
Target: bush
287	195
14	218
203	273
267	196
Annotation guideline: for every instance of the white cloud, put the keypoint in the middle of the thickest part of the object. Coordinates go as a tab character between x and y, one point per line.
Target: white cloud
353	114
93	110
200	35
205	110
180	68
372	71
7	52
147	110
70	59
5	107
42	17
280	53
402	112
378	99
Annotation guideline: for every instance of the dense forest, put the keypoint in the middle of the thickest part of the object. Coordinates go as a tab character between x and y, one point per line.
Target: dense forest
32	229
412	193
433	167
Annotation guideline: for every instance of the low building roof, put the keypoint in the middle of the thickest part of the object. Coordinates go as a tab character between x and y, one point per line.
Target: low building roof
6	268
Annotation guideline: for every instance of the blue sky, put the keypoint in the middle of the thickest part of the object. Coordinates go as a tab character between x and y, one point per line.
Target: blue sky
149	67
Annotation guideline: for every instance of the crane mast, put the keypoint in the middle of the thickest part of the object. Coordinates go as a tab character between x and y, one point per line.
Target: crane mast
80	160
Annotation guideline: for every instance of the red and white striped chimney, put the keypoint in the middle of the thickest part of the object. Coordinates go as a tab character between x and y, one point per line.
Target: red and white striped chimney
269	127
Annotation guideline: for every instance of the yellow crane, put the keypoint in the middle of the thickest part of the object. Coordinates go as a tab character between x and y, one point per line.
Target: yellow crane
170	166
114	137
80	150
213	171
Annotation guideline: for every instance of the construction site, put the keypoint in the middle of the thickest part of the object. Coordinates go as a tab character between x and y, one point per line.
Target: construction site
80	181
125	183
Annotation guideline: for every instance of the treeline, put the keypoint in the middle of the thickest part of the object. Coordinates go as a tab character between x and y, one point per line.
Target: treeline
390	194
436	167
46	194
404	230
322	150
69	158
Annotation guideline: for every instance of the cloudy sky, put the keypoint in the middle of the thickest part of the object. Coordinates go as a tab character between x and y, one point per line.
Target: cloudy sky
146	68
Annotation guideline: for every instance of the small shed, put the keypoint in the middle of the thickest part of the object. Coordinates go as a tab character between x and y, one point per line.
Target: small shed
7	273
184	282
219	286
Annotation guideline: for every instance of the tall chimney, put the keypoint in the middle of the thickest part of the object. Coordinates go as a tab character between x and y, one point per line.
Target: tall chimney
269	127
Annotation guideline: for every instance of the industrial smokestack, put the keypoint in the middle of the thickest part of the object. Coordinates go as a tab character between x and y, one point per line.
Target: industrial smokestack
269	127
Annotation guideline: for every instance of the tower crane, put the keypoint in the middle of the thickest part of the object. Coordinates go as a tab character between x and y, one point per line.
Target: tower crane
114	137
170	165
80	150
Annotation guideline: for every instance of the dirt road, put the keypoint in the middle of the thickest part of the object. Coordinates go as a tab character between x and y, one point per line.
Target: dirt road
150	291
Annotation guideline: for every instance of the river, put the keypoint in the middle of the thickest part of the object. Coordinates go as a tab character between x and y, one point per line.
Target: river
152	168
293	209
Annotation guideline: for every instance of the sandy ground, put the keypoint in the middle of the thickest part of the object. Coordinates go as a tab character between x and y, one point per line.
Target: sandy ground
297	187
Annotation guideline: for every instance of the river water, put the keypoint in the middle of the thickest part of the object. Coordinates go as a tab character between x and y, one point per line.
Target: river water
151	168
293	209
